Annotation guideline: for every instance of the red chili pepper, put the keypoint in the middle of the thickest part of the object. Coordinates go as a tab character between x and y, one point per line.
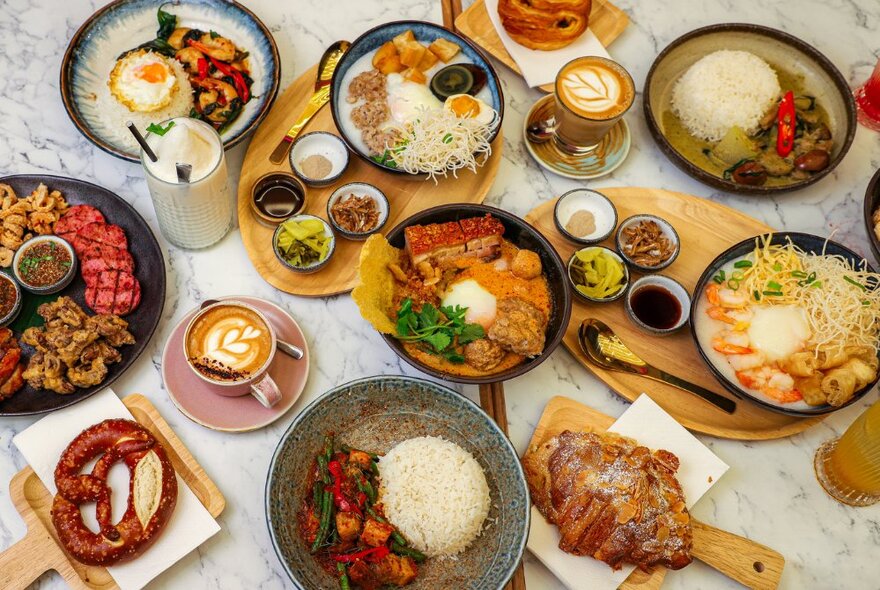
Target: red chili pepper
342	503
785	125
362	498
237	78
372	555
203	68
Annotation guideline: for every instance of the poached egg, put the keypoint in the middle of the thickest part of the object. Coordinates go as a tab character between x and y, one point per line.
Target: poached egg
779	330
481	304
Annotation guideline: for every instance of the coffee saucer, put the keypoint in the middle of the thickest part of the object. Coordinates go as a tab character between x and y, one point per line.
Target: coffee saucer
196	400
604	159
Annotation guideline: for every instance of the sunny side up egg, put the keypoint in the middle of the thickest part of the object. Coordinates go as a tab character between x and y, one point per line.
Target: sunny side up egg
480	303
465	106
143	81
778	331
406	99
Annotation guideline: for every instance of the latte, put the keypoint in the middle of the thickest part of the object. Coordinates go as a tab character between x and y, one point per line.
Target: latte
595	88
228	343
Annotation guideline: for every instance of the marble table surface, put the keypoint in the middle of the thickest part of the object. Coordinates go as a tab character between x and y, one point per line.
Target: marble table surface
769	494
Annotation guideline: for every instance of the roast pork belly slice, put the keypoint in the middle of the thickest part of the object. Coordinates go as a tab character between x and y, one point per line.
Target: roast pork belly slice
478	237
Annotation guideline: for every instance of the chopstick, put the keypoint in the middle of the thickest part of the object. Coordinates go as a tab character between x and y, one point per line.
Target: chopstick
491	394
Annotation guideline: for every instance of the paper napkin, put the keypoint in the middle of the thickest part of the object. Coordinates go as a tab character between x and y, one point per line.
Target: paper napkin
541	67
190	524
646	422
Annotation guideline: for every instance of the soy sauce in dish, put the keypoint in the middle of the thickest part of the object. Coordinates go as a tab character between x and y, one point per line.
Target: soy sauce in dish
656	307
279	198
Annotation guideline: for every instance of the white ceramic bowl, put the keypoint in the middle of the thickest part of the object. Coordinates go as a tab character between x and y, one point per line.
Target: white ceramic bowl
668	232
360	189
323	144
587	298
316	266
603	210
671	286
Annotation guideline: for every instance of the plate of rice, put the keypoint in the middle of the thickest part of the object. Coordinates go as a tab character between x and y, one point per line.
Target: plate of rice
451	482
714	97
155	87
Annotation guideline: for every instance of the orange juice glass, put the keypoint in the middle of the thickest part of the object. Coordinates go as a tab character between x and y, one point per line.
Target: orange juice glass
849	467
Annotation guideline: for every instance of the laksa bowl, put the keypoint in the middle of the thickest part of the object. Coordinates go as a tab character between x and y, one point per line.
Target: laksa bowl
415	99
789	321
466	293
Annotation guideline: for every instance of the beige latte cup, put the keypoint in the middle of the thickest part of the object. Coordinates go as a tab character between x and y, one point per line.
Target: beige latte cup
592	94
231	345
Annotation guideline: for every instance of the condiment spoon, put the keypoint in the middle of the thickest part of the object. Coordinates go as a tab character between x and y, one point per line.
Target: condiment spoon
605	348
286	347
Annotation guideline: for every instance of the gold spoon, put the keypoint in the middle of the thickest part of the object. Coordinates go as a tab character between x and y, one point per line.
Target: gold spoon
605	348
326	67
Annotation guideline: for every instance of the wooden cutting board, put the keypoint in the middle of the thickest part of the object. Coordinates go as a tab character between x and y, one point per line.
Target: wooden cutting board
606	21
405	195
743	560
706	229
39	551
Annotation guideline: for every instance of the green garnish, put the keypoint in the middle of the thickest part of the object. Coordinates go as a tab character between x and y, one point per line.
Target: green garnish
157	129
214	34
774	286
447	138
777	267
854	282
756	295
772	293
167	23
798	274
742	264
733	284
718	279
440	328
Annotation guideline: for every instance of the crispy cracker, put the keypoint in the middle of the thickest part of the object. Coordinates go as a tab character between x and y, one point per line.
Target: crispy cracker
374	293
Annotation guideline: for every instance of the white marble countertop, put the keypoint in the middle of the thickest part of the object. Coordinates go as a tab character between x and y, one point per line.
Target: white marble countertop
769	494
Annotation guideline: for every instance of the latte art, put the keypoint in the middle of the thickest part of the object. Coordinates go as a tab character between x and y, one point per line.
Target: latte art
233	342
594	88
228	343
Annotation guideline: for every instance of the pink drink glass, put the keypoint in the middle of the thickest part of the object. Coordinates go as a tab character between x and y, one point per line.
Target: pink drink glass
868	100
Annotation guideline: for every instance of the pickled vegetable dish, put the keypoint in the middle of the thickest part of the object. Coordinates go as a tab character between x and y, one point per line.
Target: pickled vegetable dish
303	242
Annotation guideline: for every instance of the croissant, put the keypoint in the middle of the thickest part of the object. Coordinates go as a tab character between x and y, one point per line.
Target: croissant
544	24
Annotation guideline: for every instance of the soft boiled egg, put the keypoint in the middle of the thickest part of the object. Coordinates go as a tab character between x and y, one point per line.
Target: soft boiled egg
465	106
778	330
143	81
406	99
480	303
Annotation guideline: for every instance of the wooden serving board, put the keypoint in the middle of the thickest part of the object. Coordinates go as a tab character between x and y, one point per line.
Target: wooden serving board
405	195
706	229
743	560
39	551
606	21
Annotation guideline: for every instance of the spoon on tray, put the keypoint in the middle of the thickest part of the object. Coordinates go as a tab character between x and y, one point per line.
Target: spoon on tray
286	347
605	348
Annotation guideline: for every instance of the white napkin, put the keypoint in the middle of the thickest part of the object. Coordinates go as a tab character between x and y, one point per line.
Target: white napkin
541	67
646	422
190	524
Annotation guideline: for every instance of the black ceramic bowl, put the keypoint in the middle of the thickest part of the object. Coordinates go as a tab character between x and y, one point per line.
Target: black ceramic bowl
872	202
523	235
822	78
808	243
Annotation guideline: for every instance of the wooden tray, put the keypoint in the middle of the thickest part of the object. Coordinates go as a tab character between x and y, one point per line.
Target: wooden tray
732	555
406	196
606	21
39	550
706	229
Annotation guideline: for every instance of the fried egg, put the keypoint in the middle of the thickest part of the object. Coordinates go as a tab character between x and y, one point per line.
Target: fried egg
480	303
143	81
406	99
465	106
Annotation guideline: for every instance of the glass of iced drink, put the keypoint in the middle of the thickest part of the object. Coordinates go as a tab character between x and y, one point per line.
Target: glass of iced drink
849	467
868	100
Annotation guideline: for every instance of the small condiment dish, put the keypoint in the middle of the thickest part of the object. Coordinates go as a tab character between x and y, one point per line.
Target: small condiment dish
656	288
582	199
316	266
668	232
277	196
56	285
587	298
360	189
9	289
324	145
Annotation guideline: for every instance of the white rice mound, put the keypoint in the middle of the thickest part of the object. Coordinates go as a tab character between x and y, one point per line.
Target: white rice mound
722	90
435	493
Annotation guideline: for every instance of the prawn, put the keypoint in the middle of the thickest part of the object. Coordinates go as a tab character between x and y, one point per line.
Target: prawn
218	47
727	298
175	39
734	317
772	382
732	342
218	100
189	57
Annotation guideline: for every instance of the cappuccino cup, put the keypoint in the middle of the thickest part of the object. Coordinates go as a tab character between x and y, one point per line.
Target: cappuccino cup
592	94
230	345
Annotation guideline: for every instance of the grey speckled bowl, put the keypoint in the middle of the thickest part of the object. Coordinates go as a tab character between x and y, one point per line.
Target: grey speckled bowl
375	414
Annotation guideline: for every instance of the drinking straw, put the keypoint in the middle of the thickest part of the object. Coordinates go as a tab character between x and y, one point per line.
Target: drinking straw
143	142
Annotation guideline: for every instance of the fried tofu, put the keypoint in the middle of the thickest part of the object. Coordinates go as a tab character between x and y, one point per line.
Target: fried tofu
359	458
348	524
396	570
376	533
415	75
387	59
427	62
412	54
403	39
444	50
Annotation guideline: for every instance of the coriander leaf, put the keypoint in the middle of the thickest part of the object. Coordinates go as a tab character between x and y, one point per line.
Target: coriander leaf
471	332
403	326
429	316
453	357
157	129
405	308
439	340
455	314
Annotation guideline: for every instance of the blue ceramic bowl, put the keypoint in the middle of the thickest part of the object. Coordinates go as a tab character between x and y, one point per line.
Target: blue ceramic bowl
808	243
376	413
125	24
425	33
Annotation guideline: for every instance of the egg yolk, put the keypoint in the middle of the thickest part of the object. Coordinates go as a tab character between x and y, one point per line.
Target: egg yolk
152	73
464	107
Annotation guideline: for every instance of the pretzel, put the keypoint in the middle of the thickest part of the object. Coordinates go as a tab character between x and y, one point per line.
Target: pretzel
544	24
151	498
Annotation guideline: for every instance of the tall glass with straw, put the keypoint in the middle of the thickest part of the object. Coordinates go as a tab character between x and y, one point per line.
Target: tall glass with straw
849	467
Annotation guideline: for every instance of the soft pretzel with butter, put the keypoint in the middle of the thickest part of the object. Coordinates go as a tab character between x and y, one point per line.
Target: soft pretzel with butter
544	24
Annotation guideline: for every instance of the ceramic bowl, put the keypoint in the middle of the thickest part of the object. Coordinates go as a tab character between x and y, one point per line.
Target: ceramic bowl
668	284
779	49
375	414
16	307
323	144
271	212
587	298
360	189
314	267
367	43
716	362
520	234
668	232
872	203
125	24
56	286
603	210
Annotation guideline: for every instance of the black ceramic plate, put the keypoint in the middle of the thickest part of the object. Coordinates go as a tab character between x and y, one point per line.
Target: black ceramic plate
149	269
522	235
806	242
872	202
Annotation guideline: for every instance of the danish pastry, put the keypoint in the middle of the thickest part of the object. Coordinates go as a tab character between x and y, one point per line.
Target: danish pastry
544	24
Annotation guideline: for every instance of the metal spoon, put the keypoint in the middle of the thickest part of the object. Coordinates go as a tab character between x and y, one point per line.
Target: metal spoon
605	348
541	131
285	347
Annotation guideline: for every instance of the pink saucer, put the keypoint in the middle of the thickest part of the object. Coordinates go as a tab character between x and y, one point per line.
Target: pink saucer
195	398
